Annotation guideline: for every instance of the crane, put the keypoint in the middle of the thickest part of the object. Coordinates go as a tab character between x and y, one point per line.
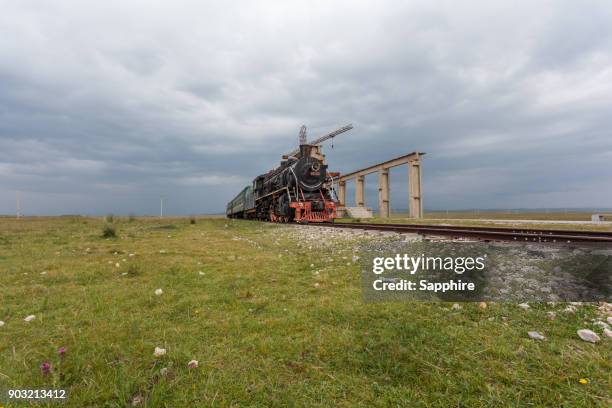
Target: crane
321	139
302	139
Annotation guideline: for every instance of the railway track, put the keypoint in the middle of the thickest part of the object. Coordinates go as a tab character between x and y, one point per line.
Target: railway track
485	233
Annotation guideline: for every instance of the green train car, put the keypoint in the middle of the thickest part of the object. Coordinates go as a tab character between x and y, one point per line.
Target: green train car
242	205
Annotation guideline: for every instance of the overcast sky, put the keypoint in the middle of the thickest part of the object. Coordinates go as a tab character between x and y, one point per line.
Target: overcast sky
105	106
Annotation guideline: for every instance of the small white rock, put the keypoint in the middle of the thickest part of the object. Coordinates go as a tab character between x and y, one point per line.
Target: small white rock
163	371
536	335
29	318
523	306
131	255
456	306
609	320
124	274
588	335
159	352
159	292
200	273
117	265
601	324
570	309
607	333
193	364
551	315
43	273
1	323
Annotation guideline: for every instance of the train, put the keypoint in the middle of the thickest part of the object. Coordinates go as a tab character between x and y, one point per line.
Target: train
299	190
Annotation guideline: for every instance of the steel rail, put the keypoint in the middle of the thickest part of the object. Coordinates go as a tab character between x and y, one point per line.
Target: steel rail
484	233
534	231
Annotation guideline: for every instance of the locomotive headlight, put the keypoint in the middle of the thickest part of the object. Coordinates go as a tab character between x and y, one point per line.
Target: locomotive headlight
315	166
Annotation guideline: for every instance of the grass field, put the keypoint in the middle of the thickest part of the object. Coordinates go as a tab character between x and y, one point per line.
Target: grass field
267	328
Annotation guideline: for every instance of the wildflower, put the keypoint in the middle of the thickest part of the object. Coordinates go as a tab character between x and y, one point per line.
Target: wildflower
193	364
29	318
62	351
45	368
158	292
159	352
583	381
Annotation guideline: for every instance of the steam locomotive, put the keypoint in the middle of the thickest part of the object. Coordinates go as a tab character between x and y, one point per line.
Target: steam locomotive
299	190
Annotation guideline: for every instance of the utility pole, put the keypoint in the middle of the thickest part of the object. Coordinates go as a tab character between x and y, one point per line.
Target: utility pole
18	204
161	207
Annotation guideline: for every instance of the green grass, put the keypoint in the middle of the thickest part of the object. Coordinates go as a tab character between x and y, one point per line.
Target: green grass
263	333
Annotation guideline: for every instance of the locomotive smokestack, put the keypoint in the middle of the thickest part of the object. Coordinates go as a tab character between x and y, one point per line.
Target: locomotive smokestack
305	150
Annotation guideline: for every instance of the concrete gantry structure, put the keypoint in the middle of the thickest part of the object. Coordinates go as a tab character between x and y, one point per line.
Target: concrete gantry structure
415	200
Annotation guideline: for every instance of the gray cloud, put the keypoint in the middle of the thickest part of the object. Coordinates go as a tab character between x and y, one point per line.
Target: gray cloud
105	107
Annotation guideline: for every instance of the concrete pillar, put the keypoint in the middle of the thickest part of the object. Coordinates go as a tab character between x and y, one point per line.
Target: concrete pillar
342	193
359	191
415	201
383	193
